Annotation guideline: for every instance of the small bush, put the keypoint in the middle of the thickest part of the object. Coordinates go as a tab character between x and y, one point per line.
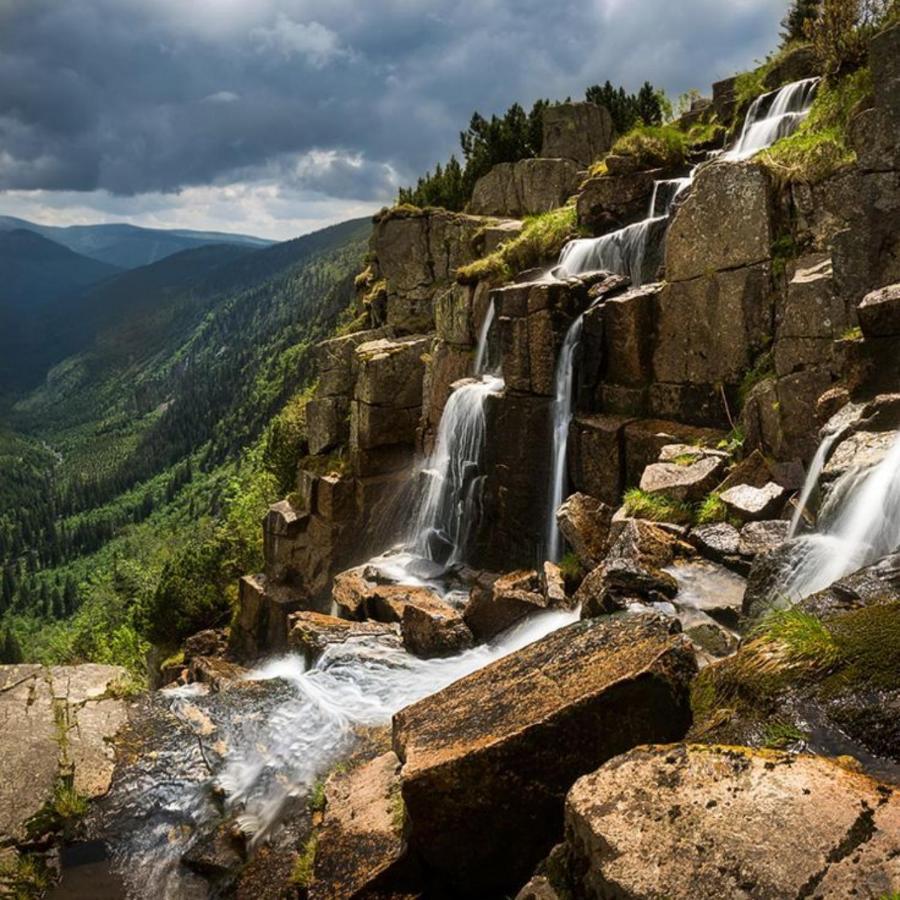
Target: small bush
656	507
540	241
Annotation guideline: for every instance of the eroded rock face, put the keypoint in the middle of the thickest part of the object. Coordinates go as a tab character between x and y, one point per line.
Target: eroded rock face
660	822
607	202
582	132
524	188
697	243
58	722
361	840
487	761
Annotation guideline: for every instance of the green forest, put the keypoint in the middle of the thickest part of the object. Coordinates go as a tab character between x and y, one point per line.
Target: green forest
136	475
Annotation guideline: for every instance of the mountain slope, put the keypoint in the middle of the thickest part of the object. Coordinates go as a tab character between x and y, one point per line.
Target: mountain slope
129	246
166	452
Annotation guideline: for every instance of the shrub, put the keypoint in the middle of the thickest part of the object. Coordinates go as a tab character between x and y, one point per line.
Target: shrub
840	33
539	242
656	507
820	146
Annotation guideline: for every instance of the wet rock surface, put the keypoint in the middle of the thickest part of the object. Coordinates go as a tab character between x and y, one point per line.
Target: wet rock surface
659	821
487	761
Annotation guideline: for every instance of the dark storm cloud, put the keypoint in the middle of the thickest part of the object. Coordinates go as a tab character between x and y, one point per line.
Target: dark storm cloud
340	98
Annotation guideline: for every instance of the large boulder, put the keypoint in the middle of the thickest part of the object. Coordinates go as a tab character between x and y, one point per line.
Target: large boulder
697	243
431	627
494	607
264	608
488	760
584	523
359	848
596	457
750	503
312	633
524	188
582	132
58	728
689	480
701	823
879	312
611	201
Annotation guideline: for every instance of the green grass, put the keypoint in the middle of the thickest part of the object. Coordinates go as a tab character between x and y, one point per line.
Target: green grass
820	146
712	509
779	735
653	146
304	866
24	877
854	333
570	566
802	636
539	243
316	801
657	507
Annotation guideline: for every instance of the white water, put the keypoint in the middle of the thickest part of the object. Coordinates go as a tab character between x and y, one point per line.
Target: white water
859	523
812	481
773	116
621	252
481	365
562	417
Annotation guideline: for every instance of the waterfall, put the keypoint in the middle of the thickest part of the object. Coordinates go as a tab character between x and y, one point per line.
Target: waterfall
562	416
859	523
812	480
622	252
773	116
449	506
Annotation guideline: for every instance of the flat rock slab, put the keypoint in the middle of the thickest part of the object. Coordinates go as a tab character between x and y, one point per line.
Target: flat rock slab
361	838
879	312
54	721
488	760
313	633
694	822
689	482
750	503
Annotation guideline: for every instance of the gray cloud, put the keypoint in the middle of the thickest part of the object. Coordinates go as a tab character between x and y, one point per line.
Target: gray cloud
340	99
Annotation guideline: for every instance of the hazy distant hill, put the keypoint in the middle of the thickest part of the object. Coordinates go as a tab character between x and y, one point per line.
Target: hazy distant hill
129	246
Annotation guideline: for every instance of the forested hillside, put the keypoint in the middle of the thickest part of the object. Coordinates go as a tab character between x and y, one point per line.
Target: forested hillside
152	453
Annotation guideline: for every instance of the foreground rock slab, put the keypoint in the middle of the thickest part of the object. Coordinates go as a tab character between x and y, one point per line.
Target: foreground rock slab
487	761
692	822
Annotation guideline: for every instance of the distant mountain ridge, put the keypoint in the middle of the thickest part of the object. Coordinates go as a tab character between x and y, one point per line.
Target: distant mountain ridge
129	246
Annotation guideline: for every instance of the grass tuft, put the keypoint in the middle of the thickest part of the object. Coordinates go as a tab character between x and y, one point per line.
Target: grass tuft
656	507
304	866
712	509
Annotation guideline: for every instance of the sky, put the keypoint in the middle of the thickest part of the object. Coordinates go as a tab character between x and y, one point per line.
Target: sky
278	117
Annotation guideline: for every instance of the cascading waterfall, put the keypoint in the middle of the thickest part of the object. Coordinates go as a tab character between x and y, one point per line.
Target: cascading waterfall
773	116
812	481
858	524
450	503
562	417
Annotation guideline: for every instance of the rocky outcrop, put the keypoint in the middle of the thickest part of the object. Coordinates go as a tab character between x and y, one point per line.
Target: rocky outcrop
524	188
58	725
359	848
264	609
582	132
607	202
584	523
659	821
487	761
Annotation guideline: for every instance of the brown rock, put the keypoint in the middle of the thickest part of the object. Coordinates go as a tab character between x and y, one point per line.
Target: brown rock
751	503
582	132
689	482
327	423
312	633
612	201
879	312
660	821
584	524
696	243
512	597
487	761
434	628
361	840
524	188
596	456
261	626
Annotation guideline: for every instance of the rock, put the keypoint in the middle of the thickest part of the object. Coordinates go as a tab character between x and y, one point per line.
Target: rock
690	483
718	541
859	450
312	633
360	843
539	888
418	255
58	723
554	586
711	637
335	361
434	629
612	201
707	591
795	65
596	457
660	822
711	328
760	537
218	673
582	132
390	371
697	244
327	423
524	188
628	334
446	368
724	100
216	852
584	524
488	760
879	312
644	440
877	583
751	503
493	236
261	626
453	314
511	598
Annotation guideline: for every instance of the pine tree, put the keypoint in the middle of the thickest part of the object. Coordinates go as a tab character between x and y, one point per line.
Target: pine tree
793	25
10	651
